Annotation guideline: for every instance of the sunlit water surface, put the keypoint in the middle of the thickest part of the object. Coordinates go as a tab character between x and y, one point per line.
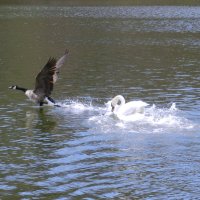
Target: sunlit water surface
78	150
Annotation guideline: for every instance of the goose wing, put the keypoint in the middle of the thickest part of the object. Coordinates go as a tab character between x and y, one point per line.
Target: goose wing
48	76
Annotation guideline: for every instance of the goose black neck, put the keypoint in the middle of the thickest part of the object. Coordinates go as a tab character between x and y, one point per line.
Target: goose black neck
20	88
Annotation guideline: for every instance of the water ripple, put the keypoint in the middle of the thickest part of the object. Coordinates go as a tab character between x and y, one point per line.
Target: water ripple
140	12
77	151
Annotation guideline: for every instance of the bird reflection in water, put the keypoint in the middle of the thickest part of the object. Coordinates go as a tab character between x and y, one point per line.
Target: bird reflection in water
40	120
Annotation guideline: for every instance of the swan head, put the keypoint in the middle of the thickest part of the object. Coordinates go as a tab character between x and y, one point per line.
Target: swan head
117	102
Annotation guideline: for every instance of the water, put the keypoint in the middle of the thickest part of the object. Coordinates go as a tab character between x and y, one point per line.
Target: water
78	150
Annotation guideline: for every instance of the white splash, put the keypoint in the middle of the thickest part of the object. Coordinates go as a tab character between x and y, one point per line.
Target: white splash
153	120
77	106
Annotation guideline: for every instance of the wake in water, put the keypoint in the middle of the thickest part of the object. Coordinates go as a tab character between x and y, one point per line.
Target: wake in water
79	106
153	119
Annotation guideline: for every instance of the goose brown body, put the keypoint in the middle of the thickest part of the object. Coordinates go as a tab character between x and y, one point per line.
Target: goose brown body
45	81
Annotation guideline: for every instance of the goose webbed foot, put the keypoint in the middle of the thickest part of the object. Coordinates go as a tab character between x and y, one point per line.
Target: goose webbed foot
42	103
53	101
56	105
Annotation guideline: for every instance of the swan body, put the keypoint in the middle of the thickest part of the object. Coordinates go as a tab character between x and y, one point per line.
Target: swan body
44	82
123	110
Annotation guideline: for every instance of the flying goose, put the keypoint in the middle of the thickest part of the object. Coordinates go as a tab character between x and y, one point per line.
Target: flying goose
45	81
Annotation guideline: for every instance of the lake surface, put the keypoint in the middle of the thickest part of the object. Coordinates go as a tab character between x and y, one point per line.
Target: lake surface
77	151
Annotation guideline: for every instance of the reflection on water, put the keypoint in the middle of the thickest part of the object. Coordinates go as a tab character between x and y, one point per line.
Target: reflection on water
43	122
77	151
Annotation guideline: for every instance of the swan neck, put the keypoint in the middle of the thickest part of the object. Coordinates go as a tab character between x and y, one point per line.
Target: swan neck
121	98
117	102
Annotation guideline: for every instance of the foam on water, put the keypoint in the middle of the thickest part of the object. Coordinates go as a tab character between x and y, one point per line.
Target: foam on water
78	106
153	120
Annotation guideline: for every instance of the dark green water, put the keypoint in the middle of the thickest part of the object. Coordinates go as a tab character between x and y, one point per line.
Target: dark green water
76	151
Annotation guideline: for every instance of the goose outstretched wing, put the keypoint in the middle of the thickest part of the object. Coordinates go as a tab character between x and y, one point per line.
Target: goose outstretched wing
48	76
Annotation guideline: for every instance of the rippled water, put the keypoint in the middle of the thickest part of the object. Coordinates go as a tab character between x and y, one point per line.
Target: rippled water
78	150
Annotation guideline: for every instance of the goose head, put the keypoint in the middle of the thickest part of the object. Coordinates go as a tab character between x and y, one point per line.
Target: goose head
14	87
117	102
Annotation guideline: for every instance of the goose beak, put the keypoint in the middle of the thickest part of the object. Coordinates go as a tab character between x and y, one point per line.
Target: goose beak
10	87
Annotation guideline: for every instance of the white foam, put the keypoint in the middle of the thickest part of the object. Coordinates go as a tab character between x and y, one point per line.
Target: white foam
154	119
78	106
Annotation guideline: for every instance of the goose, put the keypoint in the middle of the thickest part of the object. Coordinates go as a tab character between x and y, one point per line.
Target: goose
44	82
121	108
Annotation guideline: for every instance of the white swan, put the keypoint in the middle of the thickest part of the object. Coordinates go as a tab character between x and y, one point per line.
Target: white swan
126	110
